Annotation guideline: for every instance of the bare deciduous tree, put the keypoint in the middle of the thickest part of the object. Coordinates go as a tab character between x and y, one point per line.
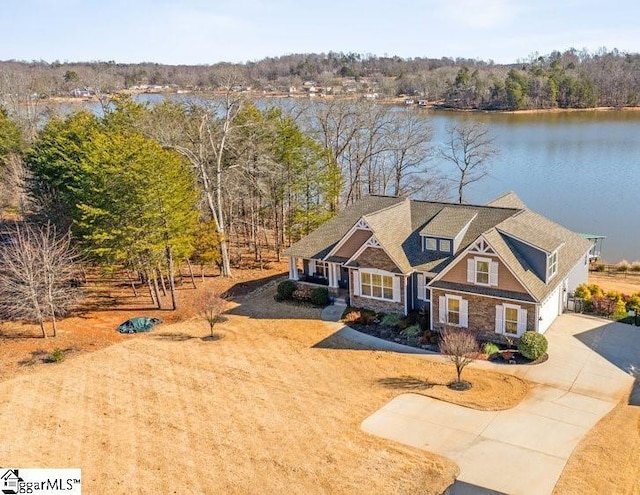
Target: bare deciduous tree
38	271
210	308
460	346
469	147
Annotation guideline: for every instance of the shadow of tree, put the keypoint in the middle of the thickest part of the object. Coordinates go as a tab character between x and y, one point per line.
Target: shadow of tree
406	383
634	396
212	338
174	337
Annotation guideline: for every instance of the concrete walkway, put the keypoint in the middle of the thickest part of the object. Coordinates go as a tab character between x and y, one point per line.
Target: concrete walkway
592	365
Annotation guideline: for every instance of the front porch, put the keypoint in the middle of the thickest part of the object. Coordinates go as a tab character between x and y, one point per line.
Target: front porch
323	273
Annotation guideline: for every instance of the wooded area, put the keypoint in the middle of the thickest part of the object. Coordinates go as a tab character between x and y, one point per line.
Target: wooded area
569	79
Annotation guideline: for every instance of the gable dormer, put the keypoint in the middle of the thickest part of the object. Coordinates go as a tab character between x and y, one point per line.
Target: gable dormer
445	231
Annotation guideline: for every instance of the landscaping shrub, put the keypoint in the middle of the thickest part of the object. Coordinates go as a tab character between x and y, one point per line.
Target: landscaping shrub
490	348
411	331
633	302
320	296
286	289
583	292
391	319
602	306
532	345
598	266
635	266
620	310
351	316
596	290
367	317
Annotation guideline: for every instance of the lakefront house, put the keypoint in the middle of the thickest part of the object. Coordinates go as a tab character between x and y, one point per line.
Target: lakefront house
497	268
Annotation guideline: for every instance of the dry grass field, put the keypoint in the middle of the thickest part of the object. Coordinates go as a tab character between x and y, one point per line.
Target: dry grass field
607	460
273	404
625	283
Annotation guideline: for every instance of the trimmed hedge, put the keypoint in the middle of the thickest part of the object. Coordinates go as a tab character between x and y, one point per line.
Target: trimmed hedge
532	345
286	289
319	296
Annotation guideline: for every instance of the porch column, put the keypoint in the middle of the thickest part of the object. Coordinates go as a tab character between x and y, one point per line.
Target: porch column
333	279
336	275
293	268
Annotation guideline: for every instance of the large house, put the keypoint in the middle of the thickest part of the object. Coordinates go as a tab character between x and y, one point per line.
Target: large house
496	268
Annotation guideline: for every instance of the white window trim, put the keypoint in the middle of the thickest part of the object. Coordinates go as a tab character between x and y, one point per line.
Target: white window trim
426	240
325	267
463	311
440	241
395	285
551	256
423	293
488	261
472	271
521	322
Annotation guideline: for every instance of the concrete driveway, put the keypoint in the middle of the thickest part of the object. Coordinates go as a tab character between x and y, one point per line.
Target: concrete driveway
523	450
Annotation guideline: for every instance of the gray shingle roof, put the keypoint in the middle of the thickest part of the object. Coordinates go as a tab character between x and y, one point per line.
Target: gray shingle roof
508	200
535	230
573	248
449	222
397	224
319	243
487	291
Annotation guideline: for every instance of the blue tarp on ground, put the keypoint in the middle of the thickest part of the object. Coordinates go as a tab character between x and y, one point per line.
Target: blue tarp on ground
139	324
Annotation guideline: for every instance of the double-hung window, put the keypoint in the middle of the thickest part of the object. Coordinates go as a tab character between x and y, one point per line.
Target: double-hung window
453	310
552	265
482	271
376	285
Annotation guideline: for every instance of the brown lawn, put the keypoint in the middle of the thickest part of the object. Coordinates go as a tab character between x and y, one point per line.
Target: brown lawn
607	460
625	283
272	405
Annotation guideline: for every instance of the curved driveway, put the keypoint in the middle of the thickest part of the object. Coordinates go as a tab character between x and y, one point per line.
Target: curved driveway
522	450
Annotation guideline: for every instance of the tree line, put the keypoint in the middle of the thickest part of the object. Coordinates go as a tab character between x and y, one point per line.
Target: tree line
154	187
569	79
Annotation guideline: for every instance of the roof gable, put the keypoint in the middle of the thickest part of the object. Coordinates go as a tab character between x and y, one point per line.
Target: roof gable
508	200
449	222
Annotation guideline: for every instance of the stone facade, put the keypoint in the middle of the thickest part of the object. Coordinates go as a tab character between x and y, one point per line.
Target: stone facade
482	313
377	305
375	258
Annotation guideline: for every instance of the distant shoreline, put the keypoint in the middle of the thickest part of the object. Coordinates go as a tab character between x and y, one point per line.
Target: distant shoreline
432	106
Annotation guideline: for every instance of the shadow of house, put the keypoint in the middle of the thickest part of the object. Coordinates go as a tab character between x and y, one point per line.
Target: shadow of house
620	345
617	343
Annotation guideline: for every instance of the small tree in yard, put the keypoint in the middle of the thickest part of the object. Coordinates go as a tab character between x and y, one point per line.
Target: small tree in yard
461	347
211	307
38	271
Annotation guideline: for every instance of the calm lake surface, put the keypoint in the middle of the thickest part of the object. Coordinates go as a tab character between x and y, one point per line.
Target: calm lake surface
580	169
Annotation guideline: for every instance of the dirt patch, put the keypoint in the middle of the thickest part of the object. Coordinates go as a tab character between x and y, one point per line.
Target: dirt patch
607	460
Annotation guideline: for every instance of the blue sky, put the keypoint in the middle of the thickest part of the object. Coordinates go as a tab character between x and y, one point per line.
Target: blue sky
206	32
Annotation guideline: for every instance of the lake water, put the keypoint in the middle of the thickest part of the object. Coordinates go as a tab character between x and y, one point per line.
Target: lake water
580	169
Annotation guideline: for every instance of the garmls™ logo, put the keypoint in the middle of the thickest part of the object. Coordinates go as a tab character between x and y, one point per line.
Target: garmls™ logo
9	481
49	481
